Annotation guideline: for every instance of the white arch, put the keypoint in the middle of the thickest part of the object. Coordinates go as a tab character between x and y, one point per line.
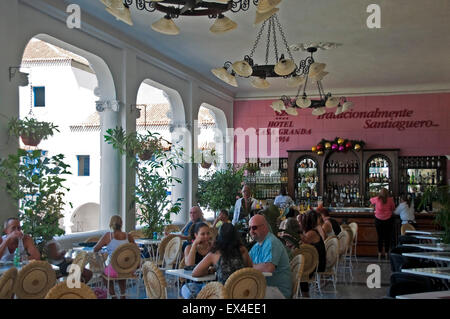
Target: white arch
85	218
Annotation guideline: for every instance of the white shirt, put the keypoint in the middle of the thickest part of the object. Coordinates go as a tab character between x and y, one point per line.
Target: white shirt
283	201
237	209
406	213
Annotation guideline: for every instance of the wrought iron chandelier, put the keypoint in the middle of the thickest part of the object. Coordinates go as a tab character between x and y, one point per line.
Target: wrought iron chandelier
308	69
282	66
173	9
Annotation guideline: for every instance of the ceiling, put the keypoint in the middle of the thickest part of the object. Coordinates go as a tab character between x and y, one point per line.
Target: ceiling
410	53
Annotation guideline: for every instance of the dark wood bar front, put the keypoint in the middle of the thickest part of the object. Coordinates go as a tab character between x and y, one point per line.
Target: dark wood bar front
367	234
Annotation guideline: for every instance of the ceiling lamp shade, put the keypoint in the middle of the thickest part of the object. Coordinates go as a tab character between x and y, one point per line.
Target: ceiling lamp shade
267	5
347	106
285	67
295	81
242	68
166	26
278	106
123	15
338	110
113	4
319	111
320	76
316	68
303	102
332	102
261	17
222	25
260	83
222	74
291	111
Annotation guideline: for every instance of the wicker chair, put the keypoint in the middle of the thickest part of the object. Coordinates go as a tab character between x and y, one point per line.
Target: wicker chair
172	253
246	283
343	239
35	280
354	227
7	281
137	234
213	290
311	260
125	260
154	281
406	227
297	267
171	229
62	291
161	247
330	273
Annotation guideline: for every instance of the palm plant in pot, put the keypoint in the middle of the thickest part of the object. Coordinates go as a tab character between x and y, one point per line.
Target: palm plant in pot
153	163
440	196
30	130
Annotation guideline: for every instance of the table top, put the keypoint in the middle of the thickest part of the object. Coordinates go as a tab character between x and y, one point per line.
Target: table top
425	232
187	274
427	237
427	295
437	247
437	272
147	241
442	256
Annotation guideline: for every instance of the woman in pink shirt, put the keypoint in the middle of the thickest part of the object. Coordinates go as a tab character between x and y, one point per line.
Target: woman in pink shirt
384	207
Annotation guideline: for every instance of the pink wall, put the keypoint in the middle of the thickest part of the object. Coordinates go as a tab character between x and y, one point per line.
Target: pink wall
433	138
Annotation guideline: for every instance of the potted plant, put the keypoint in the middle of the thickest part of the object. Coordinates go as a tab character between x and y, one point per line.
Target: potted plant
151	199
220	189
35	182
208	157
30	130
440	196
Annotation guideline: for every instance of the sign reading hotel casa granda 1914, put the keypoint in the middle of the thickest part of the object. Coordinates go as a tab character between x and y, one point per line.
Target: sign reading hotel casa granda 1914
375	119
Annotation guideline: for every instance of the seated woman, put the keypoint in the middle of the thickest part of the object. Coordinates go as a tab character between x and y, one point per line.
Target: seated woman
227	255
112	240
310	235
330	226
194	253
56	256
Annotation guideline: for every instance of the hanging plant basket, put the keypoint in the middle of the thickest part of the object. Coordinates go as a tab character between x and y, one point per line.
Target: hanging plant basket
30	140
146	155
206	165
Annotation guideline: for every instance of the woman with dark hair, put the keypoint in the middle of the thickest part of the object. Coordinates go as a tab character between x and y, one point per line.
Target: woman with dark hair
405	210
226	256
330	226
200	244
384	207
310	235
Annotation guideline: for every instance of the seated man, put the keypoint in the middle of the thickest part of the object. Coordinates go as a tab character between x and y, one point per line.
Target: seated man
15	238
269	255
195	216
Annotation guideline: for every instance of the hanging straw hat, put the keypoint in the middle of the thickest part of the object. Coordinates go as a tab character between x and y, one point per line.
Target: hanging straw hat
267	5
7	281
332	102
303	102
319	111
278	106
295	81
260	83
261	17
316	68
126	258
246	283
319	76
123	15
223	24
114	4
166	25
223	74
347	106
338	110
291	111
35	280
285	67
213	290
242	68
62	291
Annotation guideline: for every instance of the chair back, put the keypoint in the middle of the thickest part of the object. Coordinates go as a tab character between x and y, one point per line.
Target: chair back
297	267
7	281
332	250
81	259
172	251
213	290
171	229
404	284
137	234
162	246
246	283
126	259
35	280
62	291
343	240
406	227
350	234
154	281
311	257
354	227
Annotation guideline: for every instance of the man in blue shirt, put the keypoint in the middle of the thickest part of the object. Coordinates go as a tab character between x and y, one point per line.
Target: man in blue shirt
195	216
269	255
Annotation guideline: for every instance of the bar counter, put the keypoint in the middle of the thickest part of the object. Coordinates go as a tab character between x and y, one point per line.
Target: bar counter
367	234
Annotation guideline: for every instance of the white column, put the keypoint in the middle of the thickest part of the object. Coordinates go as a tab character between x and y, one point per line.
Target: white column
109	164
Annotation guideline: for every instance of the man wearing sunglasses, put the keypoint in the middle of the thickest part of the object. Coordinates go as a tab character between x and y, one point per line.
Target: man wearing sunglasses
269	255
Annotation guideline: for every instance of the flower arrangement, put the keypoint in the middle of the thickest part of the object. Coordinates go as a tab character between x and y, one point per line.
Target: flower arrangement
339	144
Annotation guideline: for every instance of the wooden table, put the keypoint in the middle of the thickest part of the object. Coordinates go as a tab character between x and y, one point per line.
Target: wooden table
427	295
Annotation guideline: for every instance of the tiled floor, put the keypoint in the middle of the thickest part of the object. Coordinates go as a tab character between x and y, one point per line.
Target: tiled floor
355	288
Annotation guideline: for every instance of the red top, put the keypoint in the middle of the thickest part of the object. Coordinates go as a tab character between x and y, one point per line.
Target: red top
383	211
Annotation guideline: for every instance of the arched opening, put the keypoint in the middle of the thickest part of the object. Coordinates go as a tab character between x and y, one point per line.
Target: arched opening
64	84
85	218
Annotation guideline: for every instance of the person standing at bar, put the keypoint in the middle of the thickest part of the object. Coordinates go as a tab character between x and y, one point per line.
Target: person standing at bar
244	207
384	208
